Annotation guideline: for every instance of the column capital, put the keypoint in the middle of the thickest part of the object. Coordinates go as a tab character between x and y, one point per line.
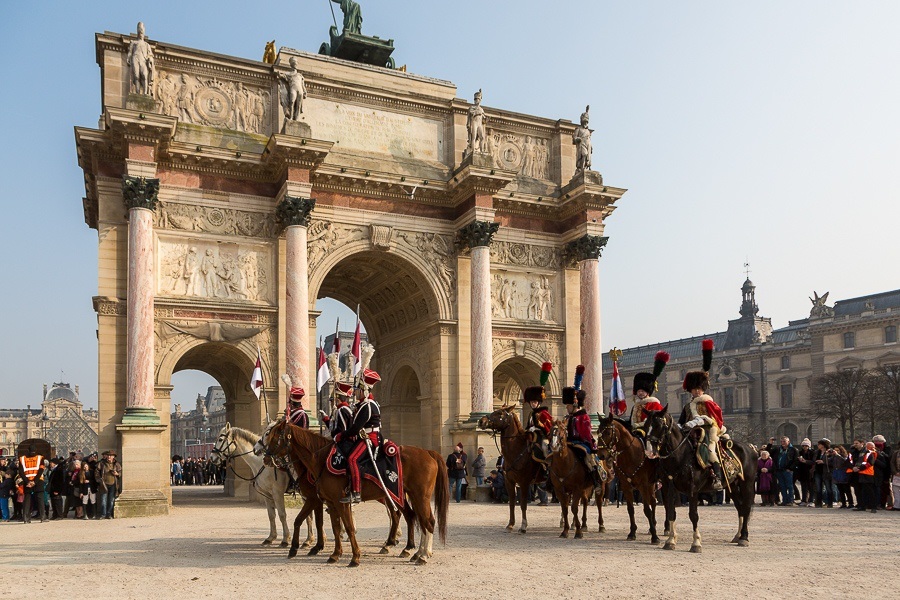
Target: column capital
294	211
477	233
585	248
140	192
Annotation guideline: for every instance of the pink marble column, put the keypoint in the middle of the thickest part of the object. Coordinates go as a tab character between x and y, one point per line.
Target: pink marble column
591	348
297	309
140	199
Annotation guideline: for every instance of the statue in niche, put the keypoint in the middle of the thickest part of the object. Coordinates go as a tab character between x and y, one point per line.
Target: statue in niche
241	100
352	15
185	100
544	298
167	94
292	91
582	139
208	268
475	126
506	298
534	308
140	60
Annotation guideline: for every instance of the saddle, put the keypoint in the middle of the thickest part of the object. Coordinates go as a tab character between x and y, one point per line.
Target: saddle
732	467
387	459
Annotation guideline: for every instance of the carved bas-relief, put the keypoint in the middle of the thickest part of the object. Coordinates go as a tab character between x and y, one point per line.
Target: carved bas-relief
227	221
215	103
439	251
526	255
216	271
527	155
324	237
523	297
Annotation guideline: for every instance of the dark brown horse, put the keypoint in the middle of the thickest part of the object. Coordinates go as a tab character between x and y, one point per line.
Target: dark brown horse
634	470
425	477
518	467
571	481
680	473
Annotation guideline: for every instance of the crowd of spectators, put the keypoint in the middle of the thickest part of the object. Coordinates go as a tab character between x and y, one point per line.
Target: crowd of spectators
196	471
85	487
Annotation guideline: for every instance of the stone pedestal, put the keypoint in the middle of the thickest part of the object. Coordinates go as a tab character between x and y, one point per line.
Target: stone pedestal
143	103
299	129
144	477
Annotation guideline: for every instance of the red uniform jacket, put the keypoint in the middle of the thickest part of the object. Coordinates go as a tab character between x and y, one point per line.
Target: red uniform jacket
579	427
649	406
540	418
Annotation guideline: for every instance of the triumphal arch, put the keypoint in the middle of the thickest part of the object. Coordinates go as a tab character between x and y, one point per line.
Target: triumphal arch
229	194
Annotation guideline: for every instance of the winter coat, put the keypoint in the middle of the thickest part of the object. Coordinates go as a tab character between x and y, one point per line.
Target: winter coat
784	459
478	466
764	480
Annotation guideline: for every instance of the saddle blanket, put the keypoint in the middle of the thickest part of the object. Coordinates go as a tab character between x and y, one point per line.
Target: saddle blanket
388	464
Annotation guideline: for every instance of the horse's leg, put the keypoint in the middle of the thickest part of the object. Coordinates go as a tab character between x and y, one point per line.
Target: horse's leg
629	499
320	529
295	538
563	498
695	520
649	494
310	531
511	494
421	503
393	530
273	530
586	501
347	519
410	516
598	498
669	496
576	500
334	511
278	496
523	505
745	510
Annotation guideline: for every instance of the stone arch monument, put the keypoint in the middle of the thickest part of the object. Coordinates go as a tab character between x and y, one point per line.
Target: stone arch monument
221	219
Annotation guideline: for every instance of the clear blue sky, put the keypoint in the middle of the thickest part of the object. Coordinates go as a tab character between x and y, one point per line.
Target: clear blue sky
765	130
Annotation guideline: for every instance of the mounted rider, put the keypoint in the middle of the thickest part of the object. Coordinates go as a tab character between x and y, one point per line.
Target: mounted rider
644	387
342	415
365	429
578	427
703	411
541	421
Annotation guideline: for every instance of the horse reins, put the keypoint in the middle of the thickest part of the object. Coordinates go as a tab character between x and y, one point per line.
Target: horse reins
615	453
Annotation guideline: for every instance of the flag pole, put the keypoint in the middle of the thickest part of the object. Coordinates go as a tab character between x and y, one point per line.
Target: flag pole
262	388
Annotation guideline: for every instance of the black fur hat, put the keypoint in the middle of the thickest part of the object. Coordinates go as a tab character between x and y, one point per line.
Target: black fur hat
568	395
644	381
534	393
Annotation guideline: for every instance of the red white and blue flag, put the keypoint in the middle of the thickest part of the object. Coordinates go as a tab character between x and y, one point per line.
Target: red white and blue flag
616	393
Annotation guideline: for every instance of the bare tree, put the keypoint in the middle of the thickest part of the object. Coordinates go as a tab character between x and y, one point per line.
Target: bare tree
887	382
842	395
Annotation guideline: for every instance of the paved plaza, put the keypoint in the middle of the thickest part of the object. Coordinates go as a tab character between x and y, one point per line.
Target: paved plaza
209	548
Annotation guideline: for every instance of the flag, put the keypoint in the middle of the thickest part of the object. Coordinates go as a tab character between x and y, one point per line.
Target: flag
337	337
256	380
322	374
616	393
355	348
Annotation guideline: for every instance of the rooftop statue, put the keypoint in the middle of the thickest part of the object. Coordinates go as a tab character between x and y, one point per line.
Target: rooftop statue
352	15
350	44
475	126
582	139
292	91
140	61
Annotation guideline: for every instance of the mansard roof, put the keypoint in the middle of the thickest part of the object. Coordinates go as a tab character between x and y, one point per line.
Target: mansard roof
677	349
855	306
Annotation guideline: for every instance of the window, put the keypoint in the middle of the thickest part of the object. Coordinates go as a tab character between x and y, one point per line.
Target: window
728	404
890	334
787	395
785	363
849	340
3	437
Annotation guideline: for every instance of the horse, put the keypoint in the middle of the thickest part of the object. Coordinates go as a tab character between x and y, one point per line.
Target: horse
425	477
234	442
313	504
679	471
518	466
571	480
633	468
269	53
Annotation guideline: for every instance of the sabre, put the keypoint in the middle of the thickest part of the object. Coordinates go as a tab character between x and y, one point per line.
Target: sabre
378	473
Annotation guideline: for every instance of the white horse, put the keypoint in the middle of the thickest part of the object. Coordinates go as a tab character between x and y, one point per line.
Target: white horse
270	482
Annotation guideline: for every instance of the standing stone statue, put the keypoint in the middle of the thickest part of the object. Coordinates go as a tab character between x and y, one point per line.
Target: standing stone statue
352	15
582	139
292	91
475	126
140	60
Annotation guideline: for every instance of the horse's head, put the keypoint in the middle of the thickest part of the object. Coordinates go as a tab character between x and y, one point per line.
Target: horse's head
259	448
224	446
607	437
658	427
558	436
499	420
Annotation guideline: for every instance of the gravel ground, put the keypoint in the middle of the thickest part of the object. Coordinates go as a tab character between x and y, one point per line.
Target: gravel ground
209	547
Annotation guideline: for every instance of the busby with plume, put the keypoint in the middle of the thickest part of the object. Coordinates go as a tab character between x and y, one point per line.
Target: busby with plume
568	395
700	379
647	381
538	393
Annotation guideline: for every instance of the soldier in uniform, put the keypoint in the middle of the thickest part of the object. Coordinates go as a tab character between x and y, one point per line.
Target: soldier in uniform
31	470
703	411
295	412
578	430
365	429
342	415
643	390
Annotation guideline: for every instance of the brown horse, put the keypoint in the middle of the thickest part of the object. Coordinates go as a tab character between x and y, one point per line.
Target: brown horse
425	477
518	466
634	470
571	480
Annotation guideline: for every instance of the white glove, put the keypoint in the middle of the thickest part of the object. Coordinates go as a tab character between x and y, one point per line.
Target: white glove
694	423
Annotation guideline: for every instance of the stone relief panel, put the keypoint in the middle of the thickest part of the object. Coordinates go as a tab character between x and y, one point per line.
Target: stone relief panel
525	255
524	297
408	313
324	237
439	251
212	270
209	219
527	155
209	101
415	353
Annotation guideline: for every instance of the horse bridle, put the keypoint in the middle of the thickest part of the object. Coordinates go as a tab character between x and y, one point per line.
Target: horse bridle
503	425
229	456
614	453
660	442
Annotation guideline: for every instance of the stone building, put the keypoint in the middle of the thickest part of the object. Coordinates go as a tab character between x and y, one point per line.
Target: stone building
198	427
761	377
62	420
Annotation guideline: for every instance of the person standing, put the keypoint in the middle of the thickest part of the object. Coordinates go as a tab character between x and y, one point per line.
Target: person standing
784	471
31	470
895	477
6	488
456	470
764	483
109	476
478	466
57	488
864	467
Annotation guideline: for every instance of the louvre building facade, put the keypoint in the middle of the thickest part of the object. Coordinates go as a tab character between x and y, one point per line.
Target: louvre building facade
62	421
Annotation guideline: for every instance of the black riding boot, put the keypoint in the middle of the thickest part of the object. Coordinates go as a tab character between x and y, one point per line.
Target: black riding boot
716	472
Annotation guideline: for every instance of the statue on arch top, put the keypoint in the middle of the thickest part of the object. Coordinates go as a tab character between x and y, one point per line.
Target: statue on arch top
352	15
582	140
140	61
475	126
292	91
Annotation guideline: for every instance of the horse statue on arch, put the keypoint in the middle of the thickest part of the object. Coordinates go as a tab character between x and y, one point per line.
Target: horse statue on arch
518	467
680	473
425	478
634	469
572	482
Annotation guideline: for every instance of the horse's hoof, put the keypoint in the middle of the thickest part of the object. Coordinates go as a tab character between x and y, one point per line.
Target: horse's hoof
331	560
523	531
564	534
415	558
313	551
267	542
384	550
353	563
284	544
579	536
404	554
631	537
305	545
696	549
654	540
510	527
735	539
421	561
602	529
292	553
669	546
743	543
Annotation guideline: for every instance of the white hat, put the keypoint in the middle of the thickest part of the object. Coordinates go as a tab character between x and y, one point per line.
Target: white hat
806	442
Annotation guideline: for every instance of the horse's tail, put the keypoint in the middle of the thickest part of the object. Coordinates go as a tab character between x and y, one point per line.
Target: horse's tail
441	495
